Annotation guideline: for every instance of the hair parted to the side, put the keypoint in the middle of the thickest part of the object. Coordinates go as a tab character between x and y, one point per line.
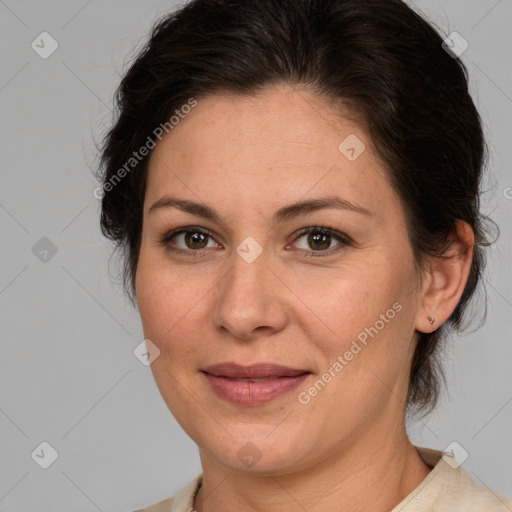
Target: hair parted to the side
379	58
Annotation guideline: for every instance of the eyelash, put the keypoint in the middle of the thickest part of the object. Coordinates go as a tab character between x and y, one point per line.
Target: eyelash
343	239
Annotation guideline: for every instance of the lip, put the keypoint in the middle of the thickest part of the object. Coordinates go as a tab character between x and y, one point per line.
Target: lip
255	371
226	381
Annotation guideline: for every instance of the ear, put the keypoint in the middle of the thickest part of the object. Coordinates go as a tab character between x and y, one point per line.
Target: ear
446	279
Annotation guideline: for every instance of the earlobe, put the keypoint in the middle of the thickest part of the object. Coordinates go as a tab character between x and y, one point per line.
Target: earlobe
446	279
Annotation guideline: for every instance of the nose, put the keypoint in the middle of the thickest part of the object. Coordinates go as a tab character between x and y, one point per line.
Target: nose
251	299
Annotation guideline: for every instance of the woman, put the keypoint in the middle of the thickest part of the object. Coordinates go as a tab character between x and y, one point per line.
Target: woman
294	187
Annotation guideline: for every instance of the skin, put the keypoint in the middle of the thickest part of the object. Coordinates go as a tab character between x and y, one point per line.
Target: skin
246	157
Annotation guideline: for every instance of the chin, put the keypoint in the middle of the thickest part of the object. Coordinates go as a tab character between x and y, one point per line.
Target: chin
259	454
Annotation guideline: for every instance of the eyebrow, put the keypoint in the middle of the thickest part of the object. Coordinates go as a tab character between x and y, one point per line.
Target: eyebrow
284	213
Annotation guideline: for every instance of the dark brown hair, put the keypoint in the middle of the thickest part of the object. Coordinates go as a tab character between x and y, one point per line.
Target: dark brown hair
378	57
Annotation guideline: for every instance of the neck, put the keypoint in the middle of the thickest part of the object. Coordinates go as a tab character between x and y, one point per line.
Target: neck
360	476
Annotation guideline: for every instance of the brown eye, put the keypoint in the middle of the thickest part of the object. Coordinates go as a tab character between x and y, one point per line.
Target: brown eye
319	240
195	239
188	240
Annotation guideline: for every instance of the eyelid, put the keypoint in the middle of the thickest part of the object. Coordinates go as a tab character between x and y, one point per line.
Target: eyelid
166	239
326	230
343	239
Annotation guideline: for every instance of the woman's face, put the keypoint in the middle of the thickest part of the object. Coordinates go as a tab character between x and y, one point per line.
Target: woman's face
338	307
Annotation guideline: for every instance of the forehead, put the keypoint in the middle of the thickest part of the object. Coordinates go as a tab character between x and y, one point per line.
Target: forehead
279	146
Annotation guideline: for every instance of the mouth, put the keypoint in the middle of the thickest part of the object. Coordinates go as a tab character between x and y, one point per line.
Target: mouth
258	371
255	384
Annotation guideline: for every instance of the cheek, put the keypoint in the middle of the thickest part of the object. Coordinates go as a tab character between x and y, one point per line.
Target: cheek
170	298
369	313
349	301
165	302
159	297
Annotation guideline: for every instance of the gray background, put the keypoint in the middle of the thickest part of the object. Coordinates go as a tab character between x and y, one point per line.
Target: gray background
68	375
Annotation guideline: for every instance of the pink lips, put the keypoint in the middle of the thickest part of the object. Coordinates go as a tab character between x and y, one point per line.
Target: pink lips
242	384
